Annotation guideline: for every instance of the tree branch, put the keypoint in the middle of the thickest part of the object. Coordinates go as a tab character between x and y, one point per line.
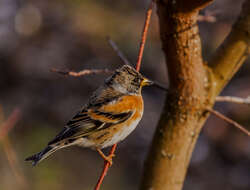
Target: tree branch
13	162
232	122
125	61
9	123
232	99
8	149
138	64
82	73
118	51
144	34
99	71
207	17
182	6
105	169
233	52
195	4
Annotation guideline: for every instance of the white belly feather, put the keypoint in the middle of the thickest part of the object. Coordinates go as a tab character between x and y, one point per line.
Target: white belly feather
122	134
117	137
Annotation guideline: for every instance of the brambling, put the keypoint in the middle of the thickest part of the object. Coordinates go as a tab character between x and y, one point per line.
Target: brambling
111	114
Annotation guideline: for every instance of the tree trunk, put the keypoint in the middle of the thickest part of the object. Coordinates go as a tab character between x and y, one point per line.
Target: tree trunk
193	87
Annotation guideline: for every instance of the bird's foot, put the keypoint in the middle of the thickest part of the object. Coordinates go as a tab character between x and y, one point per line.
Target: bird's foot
106	158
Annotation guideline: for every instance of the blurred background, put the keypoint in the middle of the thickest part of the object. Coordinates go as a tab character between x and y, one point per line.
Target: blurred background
39	35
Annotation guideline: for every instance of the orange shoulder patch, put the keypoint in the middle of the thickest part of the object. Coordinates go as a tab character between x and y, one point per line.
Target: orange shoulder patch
124	104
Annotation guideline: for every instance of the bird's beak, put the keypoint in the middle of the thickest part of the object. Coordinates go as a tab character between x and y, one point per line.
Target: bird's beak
146	82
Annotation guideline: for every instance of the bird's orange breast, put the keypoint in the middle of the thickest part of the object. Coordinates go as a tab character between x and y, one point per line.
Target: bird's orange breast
118	132
124	104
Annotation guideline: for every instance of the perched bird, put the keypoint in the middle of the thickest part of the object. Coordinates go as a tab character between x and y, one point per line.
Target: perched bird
111	114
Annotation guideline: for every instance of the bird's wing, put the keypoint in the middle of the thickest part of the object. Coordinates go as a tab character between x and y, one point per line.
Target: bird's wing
94	118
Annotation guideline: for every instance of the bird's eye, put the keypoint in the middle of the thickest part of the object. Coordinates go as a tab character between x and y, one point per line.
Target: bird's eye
136	80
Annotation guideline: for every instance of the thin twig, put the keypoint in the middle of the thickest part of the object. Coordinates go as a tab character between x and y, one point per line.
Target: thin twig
105	169
83	72
9	123
233	99
160	85
206	18
99	71
8	149
117	50
144	34
209	16
125	61
13	162
143	40
225	118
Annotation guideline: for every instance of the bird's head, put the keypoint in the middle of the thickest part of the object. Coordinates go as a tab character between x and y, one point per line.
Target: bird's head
127	80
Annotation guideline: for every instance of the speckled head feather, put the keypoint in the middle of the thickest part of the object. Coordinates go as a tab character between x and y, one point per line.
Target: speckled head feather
126	80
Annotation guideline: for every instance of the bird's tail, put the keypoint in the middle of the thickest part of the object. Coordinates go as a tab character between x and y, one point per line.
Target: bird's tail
36	158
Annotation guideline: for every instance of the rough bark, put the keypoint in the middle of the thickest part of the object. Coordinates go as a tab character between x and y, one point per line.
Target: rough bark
193	87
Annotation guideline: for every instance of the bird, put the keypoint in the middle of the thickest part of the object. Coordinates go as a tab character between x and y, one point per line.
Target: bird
113	111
